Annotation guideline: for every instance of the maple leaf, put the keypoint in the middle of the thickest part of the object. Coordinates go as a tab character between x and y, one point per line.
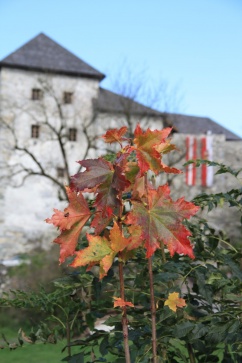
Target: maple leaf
70	222
135	237
115	135
99	248
131	170
165	147
98	171
161	220
118	241
174	301
107	181
121	303
149	146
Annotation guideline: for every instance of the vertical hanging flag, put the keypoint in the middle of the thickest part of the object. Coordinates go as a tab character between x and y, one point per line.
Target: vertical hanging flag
207	154
191	154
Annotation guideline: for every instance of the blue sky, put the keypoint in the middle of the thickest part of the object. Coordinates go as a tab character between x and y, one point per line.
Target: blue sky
195	44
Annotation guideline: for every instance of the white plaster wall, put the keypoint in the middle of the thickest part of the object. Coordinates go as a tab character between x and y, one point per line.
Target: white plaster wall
24	209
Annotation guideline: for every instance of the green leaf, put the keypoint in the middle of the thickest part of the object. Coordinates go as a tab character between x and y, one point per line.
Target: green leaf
182	330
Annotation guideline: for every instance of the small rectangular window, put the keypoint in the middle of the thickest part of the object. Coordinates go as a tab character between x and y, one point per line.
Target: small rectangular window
35	131
67	97
37	94
60	172
72	134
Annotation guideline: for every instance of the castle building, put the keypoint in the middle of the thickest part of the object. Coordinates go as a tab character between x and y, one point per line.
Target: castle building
52	110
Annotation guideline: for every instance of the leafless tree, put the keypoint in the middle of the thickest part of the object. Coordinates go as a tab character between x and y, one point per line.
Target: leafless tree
49	115
147	100
137	88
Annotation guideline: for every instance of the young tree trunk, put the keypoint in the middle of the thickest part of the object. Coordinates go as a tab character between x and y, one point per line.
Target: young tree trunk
124	315
153	312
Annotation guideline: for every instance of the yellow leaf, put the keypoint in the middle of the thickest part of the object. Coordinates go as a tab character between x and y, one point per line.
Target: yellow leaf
174	301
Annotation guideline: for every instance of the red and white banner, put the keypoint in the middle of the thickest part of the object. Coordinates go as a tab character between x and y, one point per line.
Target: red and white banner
207	154
191	154
204	152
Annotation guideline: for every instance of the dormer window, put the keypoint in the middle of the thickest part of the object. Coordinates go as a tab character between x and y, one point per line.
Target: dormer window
67	97
37	94
72	134
35	131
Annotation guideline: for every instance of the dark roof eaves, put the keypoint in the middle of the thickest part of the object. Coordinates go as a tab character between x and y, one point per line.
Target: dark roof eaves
138	113
53	71
229	135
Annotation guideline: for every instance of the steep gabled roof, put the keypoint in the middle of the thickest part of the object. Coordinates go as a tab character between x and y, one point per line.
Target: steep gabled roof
111	102
45	55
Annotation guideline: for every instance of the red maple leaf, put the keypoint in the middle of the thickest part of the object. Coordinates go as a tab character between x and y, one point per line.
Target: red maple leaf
98	171
149	145
115	135
161	220
70	222
108	182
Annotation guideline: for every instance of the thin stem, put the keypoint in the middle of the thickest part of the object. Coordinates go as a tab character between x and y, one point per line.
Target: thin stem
68	337
163	255
124	315
153	312
191	353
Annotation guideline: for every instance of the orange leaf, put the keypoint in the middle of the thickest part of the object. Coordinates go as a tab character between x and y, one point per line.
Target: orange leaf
149	145
118	241
121	303
136	237
101	250
174	301
70	222
115	135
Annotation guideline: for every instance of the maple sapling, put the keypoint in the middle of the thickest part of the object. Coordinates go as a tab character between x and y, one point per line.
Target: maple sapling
152	221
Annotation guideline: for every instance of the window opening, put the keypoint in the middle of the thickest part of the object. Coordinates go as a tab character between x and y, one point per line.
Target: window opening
60	172
37	94
67	97
72	134
35	131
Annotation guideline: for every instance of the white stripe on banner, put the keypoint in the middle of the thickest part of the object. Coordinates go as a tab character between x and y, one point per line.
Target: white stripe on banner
191	146
209	180
207	153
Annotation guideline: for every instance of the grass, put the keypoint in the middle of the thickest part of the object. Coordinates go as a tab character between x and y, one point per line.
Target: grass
36	353
31	353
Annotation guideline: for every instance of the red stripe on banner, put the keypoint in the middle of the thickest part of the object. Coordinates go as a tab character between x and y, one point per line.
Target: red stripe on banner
194	170
187	157
204	166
